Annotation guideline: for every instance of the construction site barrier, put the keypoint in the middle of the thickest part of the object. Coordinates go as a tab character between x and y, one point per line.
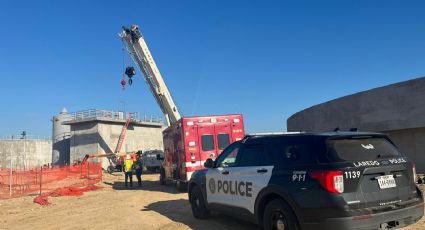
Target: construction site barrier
44	181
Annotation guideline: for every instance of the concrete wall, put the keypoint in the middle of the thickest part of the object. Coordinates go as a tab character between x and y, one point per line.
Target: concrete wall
397	109
393	107
85	139
137	137
412	143
25	153
100	137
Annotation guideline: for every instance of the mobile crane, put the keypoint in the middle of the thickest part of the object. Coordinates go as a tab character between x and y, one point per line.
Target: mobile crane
141	55
188	141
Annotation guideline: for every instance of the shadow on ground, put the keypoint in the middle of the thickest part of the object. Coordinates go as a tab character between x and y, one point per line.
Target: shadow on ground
147	185
180	211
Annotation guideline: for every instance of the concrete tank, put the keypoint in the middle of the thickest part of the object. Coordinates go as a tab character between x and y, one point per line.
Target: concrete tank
397	110
61	137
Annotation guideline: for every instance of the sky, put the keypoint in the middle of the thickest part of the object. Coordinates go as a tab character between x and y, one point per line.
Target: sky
264	59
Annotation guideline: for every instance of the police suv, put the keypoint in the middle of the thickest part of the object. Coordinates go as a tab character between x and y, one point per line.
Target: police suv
335	180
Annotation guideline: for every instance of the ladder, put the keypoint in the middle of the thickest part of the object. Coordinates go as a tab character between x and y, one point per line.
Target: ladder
122	136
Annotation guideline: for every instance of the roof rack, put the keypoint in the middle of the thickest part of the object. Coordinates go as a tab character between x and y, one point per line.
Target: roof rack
271	133
250	135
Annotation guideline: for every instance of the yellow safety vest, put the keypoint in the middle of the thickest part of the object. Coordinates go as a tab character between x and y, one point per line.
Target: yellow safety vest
128	164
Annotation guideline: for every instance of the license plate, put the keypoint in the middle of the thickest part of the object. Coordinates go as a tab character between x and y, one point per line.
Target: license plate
386	181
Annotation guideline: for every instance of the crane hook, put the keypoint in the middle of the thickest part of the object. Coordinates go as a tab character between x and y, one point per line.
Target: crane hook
123	84
130	72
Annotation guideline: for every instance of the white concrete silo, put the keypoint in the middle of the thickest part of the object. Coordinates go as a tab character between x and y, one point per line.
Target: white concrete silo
61	138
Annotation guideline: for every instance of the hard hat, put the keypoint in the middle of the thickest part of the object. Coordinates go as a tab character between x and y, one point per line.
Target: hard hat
128	157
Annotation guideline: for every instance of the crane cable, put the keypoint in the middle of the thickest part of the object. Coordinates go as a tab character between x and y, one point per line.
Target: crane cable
123	82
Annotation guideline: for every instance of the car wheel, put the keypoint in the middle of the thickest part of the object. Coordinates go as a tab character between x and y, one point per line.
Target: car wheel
162	177
110	169
197	202
278	215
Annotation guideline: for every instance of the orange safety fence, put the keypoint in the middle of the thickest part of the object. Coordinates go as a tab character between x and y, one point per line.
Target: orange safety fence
56	181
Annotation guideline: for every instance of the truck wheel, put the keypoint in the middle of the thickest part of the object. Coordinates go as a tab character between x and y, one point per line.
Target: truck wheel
110	169
278	215
181	186
162	177
197	202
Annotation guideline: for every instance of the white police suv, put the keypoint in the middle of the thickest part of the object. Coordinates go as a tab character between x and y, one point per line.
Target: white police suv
335	180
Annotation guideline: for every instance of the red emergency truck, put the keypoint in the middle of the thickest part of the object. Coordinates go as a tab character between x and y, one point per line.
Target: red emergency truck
192	140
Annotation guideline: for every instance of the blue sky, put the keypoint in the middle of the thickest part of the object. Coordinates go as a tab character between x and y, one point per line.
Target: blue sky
264	59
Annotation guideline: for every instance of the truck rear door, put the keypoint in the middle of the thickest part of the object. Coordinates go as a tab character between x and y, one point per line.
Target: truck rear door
223	136
207	142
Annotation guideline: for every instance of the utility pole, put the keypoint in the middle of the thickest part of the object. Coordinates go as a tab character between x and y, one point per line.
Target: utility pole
122	103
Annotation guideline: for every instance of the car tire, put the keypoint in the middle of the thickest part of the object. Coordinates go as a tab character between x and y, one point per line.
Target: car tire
110	169
162	177
197	203
278	215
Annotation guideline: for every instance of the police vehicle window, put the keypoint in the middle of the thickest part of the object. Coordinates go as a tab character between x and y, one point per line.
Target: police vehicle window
207	142
252	155
223	140
362	149
228	158
298	152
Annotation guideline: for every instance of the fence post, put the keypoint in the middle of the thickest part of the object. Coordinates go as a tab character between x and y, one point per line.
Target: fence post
67	171
10	175
88	170
41	176
10	179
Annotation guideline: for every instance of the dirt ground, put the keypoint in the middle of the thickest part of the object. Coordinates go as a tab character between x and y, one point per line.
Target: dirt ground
151	207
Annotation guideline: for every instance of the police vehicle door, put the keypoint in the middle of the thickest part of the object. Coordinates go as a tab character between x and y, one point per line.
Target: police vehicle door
218	179
252	173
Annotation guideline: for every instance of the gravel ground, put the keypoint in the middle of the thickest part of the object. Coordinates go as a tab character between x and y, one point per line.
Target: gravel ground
151	207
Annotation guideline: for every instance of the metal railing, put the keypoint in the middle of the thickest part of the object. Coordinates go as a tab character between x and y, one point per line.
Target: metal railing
19	137
114	115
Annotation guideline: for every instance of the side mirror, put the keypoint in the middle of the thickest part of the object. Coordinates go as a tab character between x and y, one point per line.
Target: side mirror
159	157
209	163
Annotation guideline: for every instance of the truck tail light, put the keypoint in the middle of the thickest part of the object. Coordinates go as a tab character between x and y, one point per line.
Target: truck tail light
332	181
414	173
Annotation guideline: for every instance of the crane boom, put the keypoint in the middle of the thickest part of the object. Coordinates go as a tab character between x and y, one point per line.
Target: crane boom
143	58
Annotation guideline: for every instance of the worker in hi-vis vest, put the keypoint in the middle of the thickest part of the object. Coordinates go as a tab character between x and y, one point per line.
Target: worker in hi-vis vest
128	170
